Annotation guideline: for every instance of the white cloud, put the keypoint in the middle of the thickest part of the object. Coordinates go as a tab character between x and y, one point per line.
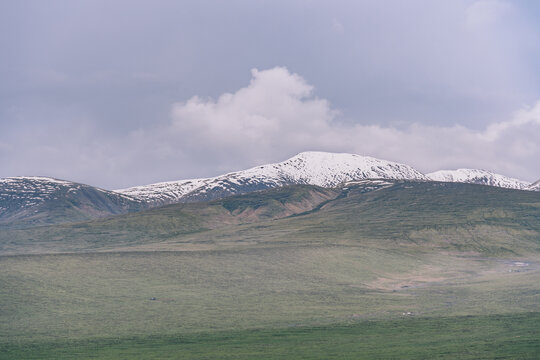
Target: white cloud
272	118
274	103
484	13
99	113
337	26
277	115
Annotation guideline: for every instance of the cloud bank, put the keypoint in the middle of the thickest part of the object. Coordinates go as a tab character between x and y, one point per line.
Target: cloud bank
429	83
278	115
272	118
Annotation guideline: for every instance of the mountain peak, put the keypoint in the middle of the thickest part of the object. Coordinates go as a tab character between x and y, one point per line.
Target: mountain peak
321	157
331	169
311	167
26	197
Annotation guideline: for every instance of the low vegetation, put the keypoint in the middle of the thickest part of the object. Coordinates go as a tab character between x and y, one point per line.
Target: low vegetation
412	270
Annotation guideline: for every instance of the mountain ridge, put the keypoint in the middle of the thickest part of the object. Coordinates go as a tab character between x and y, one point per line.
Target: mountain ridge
313	168
310	168
478	176
41	200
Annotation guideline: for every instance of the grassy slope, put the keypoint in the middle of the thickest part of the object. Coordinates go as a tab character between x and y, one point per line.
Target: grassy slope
67	204
438	250
459	217
416	217
163	223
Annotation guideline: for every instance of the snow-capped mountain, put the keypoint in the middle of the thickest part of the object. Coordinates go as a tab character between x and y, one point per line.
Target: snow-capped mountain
476	176
42	200
535	186
313	168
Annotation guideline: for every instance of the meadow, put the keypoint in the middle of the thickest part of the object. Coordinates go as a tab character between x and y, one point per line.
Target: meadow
413	270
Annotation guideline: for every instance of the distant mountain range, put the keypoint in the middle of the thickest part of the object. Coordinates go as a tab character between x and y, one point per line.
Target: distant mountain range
312	168
38	200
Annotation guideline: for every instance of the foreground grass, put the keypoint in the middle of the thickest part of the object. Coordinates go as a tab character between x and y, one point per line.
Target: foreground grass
109	295
514	336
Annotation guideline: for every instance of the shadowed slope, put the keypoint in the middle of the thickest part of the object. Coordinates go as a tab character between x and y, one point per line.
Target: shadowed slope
32	201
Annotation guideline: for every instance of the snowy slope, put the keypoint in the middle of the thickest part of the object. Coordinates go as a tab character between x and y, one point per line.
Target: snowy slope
535	186
314	168
475	176
43	200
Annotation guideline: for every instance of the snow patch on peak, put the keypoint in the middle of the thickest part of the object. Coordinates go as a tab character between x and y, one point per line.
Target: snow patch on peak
477	176
37	179
535	186
331	169
312	167
163	192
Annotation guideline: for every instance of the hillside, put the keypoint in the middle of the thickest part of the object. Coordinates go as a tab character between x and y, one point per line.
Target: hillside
300	264
165	222
464	215
534	186
35	201
30	201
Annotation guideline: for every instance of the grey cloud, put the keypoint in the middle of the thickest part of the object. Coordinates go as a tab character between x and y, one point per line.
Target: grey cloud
104	75
278	114
271	118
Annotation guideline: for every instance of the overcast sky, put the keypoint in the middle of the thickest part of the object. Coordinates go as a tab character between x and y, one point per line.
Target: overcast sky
120	93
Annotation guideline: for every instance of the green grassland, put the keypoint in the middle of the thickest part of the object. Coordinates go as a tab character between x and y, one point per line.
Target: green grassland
471	337
413	270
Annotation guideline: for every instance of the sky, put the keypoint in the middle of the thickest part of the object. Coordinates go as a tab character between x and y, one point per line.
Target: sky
118	93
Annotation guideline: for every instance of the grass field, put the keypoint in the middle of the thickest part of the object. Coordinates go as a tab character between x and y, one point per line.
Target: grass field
474	337
416	270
